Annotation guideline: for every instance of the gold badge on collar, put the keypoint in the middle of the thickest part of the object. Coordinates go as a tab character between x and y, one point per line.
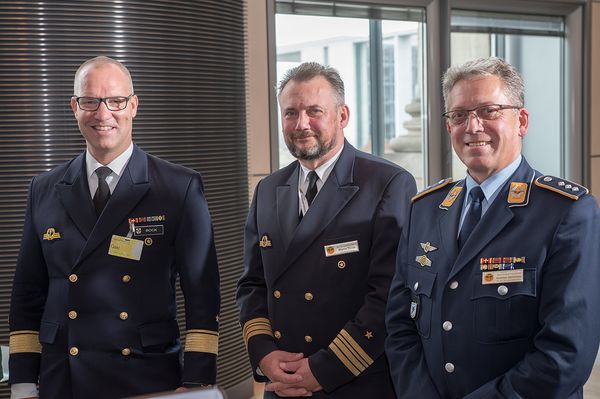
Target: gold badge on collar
427	247
423	260
451	197
265	242
516	194
51	234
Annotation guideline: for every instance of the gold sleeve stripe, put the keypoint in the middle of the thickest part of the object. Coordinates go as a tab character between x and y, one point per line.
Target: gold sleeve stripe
24	341
349	354
356	347
260	325
333	346
202	341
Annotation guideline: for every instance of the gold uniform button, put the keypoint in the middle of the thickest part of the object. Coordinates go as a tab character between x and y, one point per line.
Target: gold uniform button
277	334
72	315
308	296
73	351
277	294
126	352
73	278
341	264
126	278
123	315
308	338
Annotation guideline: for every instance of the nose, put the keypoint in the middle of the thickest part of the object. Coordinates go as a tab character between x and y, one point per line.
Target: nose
475	126
303	122
103	112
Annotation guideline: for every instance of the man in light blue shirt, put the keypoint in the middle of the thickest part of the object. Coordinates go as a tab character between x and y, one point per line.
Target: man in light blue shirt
495	293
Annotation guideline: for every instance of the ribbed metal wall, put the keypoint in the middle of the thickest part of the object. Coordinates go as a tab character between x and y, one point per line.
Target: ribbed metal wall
187	63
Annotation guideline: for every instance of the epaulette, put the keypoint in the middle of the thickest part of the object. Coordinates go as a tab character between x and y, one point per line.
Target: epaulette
432	188
561	186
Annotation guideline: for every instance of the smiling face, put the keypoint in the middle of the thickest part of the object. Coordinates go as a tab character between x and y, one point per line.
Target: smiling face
313	121
485	146
107	133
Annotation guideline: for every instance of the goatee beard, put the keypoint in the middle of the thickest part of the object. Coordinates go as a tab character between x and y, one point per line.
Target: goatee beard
308	154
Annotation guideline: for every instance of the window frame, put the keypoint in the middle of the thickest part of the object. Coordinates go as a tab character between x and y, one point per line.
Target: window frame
436	143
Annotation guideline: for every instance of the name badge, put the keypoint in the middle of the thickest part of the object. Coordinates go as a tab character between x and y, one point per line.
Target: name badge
124	247
150	230
502	276
341	248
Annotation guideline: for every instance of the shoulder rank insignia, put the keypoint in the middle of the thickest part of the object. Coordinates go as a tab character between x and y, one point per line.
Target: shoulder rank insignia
432	188
51	234
264	242
561	186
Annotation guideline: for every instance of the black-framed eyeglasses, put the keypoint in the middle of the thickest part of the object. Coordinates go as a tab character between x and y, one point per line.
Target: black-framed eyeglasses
487	112
117	103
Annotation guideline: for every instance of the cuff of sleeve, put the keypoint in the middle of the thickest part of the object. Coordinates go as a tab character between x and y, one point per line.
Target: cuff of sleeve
23	390
343	361
199	368
24	368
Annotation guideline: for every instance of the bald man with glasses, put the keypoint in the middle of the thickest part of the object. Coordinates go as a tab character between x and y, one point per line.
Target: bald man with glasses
93	311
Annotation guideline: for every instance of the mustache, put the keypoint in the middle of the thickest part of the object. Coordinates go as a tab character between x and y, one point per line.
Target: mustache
301	134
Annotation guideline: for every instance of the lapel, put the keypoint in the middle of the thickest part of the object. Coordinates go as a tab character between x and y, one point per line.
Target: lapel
494	221
287	202
132	186
74	193
337	191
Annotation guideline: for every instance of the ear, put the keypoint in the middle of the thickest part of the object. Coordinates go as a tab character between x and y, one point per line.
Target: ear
344	115
133	102
74	105
448	127
523	121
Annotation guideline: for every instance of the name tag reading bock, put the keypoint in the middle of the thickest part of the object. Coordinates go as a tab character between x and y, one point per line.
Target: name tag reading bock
341	248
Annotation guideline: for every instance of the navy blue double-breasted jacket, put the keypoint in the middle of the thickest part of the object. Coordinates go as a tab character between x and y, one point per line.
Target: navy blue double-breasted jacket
319	286
89	324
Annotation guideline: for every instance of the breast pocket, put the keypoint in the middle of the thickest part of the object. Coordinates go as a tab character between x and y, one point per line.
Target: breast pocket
421	284
505	312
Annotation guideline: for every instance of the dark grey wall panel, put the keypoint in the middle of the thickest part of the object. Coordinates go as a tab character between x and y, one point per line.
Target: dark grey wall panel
187	63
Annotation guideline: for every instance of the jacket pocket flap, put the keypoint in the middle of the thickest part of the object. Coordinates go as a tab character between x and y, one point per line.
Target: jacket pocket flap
48	331
421	281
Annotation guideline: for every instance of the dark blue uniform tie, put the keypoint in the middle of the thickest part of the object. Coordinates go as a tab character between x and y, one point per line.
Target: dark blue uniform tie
311	192
472	217
102	192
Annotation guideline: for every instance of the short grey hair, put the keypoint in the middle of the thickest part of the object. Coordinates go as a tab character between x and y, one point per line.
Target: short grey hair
96	61
310	70
512	81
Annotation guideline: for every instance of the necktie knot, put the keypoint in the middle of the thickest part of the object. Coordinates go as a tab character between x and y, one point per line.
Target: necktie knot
311	192
476	195
103	191
103	172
